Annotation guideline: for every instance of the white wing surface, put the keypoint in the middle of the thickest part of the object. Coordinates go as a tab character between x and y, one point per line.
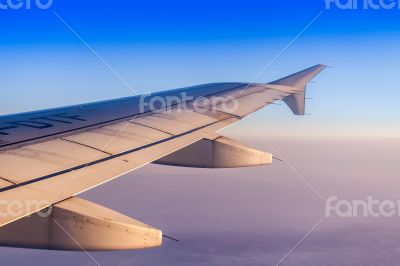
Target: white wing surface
49	157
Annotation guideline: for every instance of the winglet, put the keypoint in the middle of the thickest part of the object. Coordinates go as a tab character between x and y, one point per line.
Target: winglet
299	80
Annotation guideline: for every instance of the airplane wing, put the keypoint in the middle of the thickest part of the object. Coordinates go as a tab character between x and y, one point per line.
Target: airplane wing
47	158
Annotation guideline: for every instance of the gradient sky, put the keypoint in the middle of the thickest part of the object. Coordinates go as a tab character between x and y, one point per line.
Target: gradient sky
157	45
348	146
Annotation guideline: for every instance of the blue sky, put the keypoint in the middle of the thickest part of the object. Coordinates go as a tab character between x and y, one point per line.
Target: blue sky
231	216
157	45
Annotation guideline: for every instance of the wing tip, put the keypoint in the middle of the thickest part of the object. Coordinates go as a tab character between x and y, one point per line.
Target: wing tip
301	78
296	102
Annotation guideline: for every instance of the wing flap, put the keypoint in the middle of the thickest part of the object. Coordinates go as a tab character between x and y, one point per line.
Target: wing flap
41	159
58	155
119	137
36	195
250	102
175	121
